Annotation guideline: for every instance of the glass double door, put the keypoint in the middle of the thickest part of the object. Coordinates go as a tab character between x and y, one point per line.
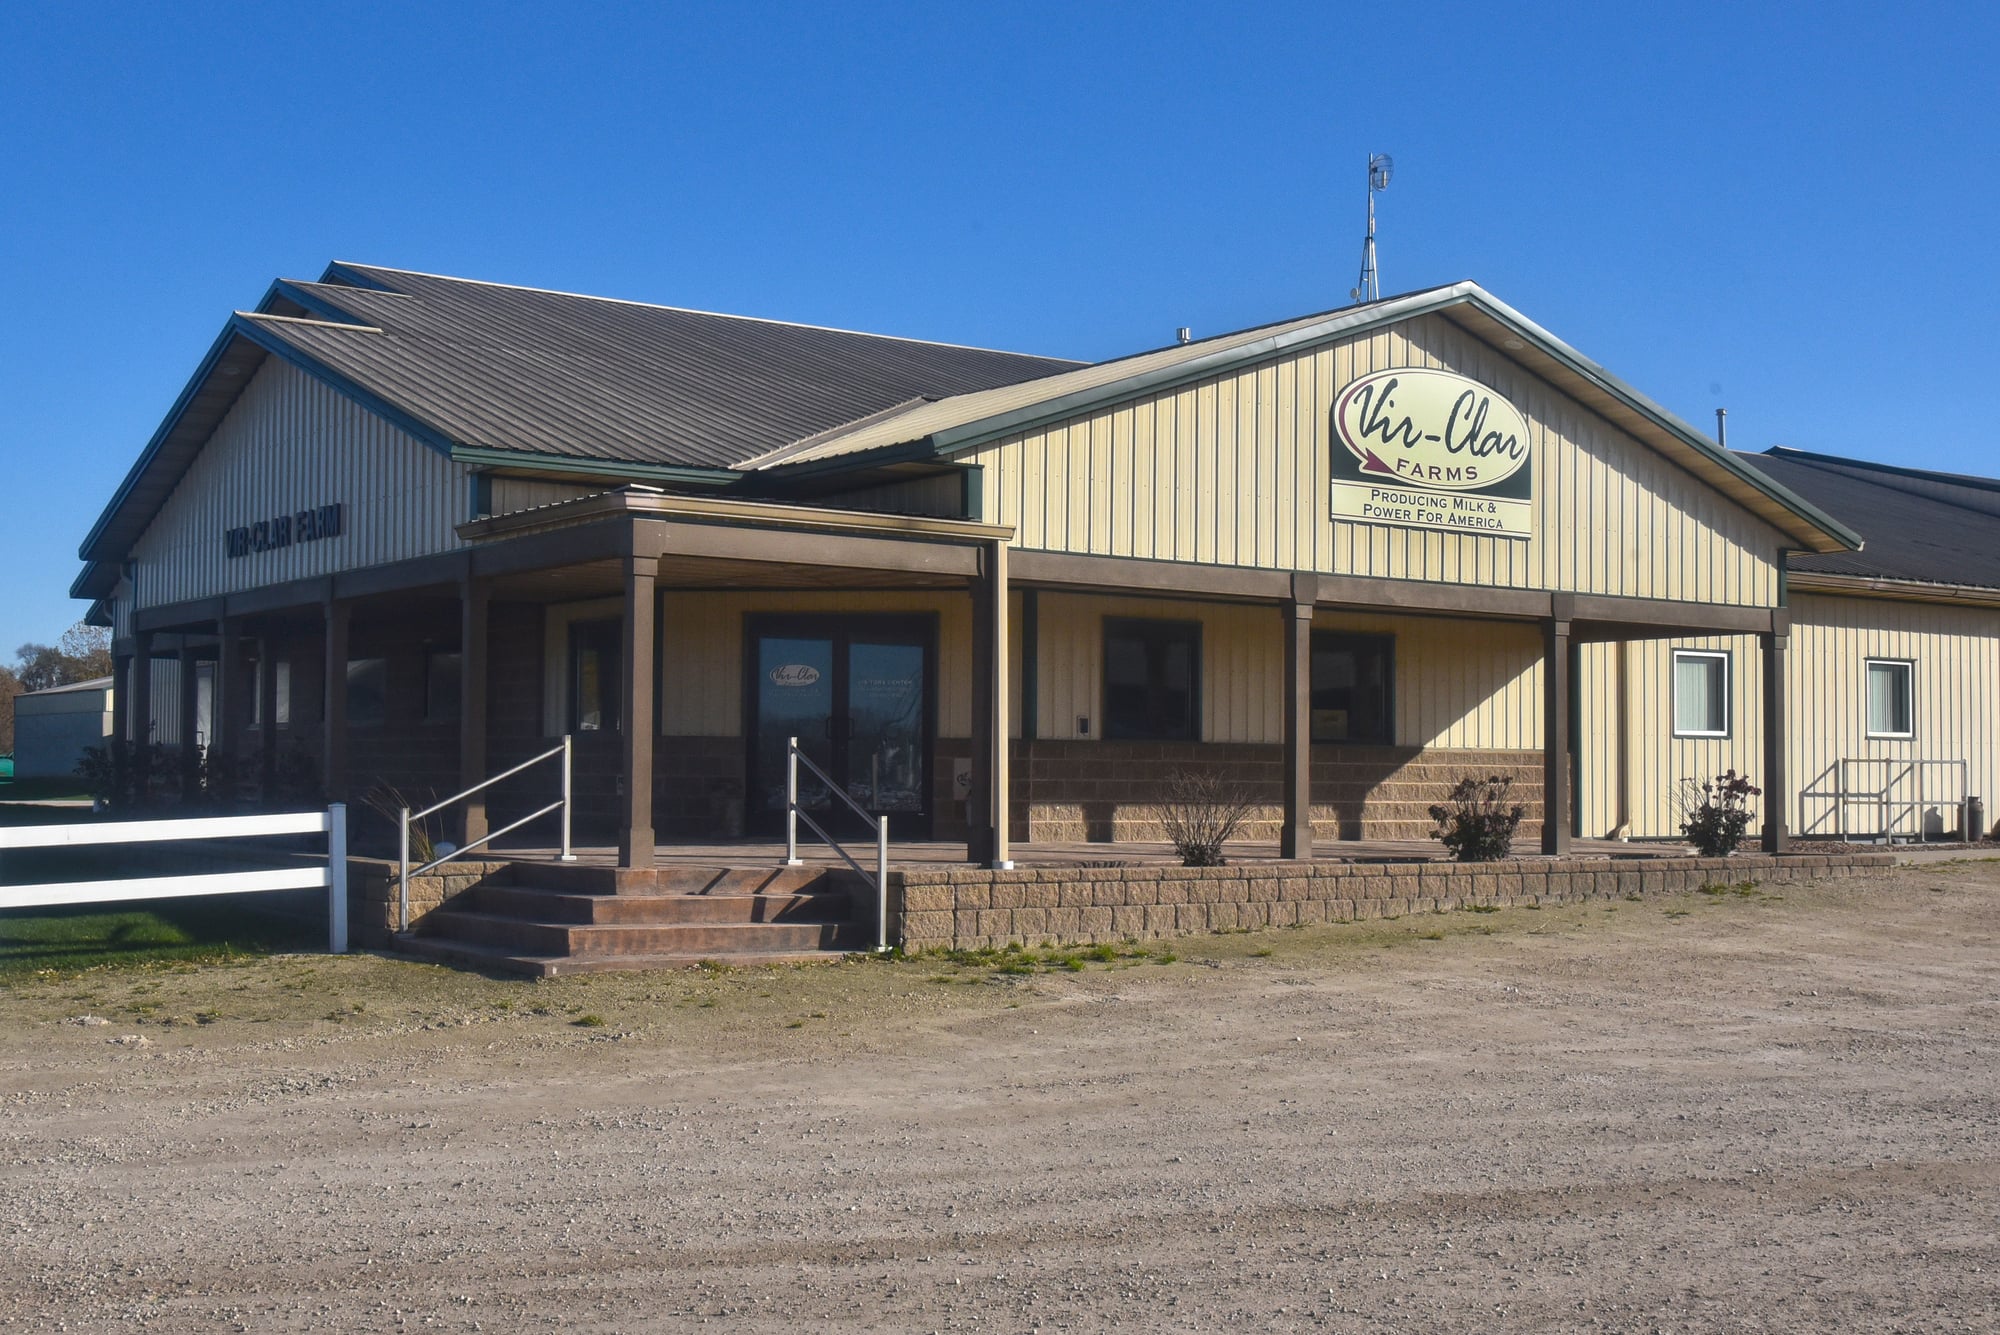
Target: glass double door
857	693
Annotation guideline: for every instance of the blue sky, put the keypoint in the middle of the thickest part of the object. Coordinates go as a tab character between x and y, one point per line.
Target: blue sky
1787	211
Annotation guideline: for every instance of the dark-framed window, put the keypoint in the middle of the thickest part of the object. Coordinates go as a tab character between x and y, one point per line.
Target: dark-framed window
367	692
1152	680
1353	687
1701	693
443	675
282	670
1892	704
596	652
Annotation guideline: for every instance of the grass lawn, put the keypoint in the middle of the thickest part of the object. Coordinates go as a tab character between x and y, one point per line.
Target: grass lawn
65	789
86	936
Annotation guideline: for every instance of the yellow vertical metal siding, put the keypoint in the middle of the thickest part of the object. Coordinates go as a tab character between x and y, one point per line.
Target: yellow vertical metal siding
525	493
701	652
1625	732
1630	763
1459	684
291	442
1955	687
1233	471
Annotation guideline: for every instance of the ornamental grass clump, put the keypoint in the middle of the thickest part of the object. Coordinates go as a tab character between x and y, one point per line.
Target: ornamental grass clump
1475	824
1715	812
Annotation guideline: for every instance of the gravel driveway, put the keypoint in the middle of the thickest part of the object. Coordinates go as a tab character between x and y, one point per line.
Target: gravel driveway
1719	1112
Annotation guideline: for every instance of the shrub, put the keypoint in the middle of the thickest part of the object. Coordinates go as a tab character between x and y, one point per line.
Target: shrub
1475	824
1715	812
1201	811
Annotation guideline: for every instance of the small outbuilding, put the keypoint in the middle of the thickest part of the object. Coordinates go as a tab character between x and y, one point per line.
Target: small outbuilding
52	727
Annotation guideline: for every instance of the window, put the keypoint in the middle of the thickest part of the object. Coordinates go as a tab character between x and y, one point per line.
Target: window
1701	693
1351	679
1891	711
595	652
441	686
1152	680
282	668
367	691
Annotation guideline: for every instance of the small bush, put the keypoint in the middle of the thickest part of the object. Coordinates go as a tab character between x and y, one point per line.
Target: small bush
1201	811
1475	824
1715	812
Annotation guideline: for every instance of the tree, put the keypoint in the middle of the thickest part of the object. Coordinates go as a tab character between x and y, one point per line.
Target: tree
83	653
10	686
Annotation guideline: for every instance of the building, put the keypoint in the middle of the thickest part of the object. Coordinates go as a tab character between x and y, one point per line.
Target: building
53	727
407	529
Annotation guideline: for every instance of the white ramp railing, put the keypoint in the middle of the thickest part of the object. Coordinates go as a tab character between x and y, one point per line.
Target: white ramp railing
332	877
794	813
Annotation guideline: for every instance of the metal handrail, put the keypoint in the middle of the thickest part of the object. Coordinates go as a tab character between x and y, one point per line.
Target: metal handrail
406	816
1898	771
793	815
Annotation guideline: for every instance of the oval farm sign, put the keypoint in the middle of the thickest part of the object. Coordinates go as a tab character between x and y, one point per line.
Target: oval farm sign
1431	449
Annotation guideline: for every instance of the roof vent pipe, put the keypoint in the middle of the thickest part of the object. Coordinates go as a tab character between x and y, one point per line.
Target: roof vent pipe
1184	335
1722	427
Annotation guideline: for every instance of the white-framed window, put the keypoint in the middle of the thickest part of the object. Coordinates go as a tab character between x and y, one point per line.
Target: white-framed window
1701	693
1891	697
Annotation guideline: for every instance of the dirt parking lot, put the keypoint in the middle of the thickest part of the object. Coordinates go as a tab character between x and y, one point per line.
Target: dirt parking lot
1727	1111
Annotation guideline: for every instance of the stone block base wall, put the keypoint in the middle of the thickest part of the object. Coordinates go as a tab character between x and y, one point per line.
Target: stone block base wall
957	908
1102	792
373	906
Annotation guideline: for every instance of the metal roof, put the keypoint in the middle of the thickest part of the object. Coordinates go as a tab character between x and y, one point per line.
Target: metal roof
1922	527
550	373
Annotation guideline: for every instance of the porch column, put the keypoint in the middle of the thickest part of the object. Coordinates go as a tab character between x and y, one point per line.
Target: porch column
1296	839
142	695
987	842
267	716
1776	785
228	684
190	707
472	705
121	722
333	713
635	825
1555	730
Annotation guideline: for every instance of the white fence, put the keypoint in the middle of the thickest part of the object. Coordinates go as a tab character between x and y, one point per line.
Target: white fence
331	877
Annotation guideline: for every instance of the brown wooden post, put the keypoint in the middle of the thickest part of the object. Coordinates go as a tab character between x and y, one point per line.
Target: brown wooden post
121	723
987	839
1296	838
225	728
267	716
190	709
338	617
1776	785
142	700
635	825
472	704
1555	730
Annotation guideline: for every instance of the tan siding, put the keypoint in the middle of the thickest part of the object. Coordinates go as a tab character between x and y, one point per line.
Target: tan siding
526	493
1625	714
701	656
1236	469
1458	684
291	442
941	497
1625	709
1956	687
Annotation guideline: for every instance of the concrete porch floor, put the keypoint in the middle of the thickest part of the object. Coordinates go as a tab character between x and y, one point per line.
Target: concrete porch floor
770	853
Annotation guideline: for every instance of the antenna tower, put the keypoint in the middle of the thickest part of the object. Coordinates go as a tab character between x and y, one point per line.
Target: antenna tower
1380	166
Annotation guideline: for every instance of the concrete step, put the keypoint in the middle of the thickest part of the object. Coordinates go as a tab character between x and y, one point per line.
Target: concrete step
534	902
677	879
496	959
525	936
